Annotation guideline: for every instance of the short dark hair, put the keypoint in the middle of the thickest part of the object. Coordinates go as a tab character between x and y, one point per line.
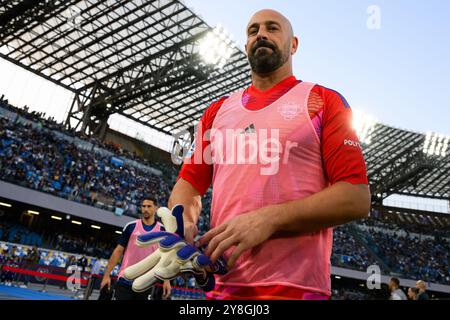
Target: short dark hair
151	198
396	281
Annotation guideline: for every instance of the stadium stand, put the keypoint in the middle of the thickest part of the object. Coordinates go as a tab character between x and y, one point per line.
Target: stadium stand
416	255
35	156
348	252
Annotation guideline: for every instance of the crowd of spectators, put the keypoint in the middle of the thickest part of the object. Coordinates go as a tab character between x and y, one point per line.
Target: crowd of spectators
19	234
413	257
348	252
35	158
50	123
81	245
426	256
350	294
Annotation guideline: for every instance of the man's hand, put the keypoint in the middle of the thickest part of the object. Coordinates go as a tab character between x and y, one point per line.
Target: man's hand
244	231
106	281
190	231
166	289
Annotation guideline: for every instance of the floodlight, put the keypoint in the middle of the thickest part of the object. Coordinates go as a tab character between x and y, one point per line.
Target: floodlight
435	144
216	47
364	125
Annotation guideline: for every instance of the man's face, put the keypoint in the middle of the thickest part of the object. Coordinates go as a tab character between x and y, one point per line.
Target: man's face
420	286
269	41
148	208
391	285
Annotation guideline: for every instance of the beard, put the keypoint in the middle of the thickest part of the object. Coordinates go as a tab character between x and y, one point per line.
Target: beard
263	61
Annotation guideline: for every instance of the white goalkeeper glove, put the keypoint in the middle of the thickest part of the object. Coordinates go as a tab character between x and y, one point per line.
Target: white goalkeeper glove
173	257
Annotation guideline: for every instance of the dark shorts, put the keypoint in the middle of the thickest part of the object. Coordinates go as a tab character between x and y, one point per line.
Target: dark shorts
123	291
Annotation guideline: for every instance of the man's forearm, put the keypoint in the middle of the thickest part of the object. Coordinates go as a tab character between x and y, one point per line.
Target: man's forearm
112	262
185	194
335	205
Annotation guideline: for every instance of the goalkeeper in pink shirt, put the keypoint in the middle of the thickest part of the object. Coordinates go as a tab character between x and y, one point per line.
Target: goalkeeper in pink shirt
285	166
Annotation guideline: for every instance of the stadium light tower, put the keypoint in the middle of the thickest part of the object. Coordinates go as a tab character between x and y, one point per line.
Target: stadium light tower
364	125
436	144
217	47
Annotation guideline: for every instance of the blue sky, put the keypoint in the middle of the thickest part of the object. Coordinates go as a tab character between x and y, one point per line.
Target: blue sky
399	73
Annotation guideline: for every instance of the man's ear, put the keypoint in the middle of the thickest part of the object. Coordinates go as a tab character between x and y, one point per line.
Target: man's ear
294	45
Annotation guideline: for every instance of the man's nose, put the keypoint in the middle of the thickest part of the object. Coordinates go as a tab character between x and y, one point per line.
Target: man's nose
262	34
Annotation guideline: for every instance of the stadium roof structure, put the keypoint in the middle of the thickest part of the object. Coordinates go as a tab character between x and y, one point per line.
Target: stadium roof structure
137	58
141	59
401	162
